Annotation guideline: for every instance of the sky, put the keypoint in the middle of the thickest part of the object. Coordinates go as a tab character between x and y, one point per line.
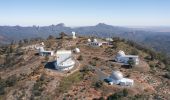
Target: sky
85	12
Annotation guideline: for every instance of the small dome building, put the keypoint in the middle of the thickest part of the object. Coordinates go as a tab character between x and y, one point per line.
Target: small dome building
121	53
76	50
117	78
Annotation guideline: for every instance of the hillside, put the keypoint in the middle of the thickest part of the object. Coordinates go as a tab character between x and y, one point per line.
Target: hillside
26	75
16	33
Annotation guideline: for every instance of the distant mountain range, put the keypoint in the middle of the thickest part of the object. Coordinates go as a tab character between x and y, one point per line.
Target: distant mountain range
158	40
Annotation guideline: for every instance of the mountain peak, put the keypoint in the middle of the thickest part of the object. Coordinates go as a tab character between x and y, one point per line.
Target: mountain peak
101	24
61	24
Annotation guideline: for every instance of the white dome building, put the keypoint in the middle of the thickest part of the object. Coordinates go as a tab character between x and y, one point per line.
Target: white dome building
94	40
41	49
77	50
117	75
89	40
117	78
121	53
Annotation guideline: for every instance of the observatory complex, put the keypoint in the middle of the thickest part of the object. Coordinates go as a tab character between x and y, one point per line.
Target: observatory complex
122	58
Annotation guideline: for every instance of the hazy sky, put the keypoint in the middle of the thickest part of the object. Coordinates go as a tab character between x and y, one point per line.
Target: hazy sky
85	12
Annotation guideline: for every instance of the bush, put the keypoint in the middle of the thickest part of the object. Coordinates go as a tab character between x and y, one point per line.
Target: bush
2	90
11	81
134	52
93	63
118	95
2	87
98	84
167	75
80	58
125	92
131	63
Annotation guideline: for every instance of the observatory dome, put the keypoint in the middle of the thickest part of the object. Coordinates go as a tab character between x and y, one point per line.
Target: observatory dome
89	40
77	50
121	53
95	40
41	49
117	75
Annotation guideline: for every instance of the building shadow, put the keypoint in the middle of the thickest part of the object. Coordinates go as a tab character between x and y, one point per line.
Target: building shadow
125	66
50	65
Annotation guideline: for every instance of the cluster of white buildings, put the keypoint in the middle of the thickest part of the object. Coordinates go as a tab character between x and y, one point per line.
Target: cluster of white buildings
33	46
64	59
96	43
117	78
121	57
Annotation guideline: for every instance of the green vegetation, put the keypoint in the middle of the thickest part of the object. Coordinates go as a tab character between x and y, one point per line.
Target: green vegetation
131	63
98	84
39	85
167	75
118	95
67	82
139	97
9	82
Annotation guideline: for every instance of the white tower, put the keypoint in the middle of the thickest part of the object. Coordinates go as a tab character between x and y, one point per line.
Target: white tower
74	35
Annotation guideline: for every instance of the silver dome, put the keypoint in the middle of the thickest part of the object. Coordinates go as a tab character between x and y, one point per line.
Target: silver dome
117	75
121	53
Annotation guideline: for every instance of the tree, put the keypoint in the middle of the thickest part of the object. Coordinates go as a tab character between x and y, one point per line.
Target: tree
62	34
131	63
80	58
125	92
26	41
98	84
50	37
46	58
20	43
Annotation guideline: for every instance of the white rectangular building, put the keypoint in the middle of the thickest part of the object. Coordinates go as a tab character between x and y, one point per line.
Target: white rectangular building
122	58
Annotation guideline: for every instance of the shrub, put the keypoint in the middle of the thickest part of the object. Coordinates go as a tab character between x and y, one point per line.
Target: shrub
118	95
167	75
131	63
134	52
98	84
93	63
11	81
80	58
2	87
125	92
